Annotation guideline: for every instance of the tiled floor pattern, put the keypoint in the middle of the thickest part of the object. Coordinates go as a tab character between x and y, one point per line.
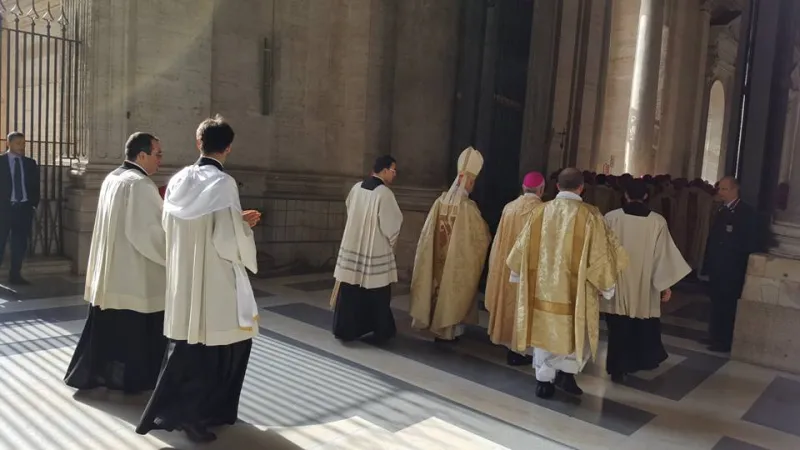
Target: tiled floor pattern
305	390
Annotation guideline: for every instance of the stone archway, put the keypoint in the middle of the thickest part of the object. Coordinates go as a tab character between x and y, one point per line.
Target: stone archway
714	129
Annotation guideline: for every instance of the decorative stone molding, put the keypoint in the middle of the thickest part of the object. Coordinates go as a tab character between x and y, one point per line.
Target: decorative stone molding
768	313
304	214
723	48
787	237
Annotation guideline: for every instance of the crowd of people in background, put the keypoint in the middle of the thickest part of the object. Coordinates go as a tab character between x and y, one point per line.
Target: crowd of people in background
687	206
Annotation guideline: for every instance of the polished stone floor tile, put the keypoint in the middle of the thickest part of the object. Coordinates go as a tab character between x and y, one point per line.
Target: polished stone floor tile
43	287
605	413
727	443
50	315
305	390
778	407
699	310
315	285
301	385
259	293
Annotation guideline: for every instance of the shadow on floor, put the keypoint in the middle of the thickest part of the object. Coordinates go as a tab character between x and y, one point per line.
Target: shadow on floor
129	408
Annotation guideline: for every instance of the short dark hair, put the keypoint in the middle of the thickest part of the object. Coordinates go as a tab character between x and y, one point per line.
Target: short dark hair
215	135
139	142
601	179
570	179
636	189
13	135
383	162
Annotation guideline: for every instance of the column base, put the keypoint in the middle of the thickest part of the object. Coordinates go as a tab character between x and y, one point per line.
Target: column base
768	314
787	239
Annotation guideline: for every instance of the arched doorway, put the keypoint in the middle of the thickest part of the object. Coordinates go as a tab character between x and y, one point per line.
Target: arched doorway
716	118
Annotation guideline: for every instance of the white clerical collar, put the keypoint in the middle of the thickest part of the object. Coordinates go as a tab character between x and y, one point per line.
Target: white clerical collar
569	195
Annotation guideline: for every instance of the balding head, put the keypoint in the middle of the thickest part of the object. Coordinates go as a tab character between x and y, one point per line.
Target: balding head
571	180
728	189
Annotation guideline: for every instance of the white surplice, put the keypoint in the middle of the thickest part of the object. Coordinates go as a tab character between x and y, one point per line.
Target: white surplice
126	268
656	265
209	247
366	256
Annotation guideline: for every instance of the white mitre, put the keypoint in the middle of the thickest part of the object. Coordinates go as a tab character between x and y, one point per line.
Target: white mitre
470	162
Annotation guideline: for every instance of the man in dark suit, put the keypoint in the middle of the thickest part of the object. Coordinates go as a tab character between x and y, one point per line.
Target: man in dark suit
19	197
733	237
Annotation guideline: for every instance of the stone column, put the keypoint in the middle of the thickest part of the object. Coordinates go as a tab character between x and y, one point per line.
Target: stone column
787	222
679	46
622	40
639	158
147	68
698	124
769	308
537	132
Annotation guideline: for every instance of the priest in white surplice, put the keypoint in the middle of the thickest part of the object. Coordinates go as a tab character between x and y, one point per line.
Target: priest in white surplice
211	313
633	314
122	344
365	267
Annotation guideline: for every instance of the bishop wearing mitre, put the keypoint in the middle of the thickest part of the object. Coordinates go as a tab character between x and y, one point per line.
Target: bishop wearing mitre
563	260
451	253
633	314
501	294
211	315
122	344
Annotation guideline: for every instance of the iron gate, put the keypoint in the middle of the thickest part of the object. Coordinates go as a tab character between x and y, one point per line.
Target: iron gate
39	91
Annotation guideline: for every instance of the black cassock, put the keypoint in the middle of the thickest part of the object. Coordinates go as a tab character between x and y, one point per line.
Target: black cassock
360	311
118	349
199	386
633	344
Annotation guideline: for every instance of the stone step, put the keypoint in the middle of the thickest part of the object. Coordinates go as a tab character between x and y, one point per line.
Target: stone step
436	434
317	435
51	265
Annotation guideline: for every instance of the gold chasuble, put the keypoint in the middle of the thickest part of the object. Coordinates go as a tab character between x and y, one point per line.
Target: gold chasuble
501	295
450	256
565	257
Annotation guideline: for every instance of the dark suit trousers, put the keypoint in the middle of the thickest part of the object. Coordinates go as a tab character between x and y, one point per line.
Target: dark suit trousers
724	293
15	229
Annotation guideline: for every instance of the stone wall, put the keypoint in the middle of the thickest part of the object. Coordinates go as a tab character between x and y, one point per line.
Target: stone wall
332	108
768	314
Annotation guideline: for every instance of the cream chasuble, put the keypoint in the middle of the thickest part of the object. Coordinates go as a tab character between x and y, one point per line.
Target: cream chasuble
209	247
451	253
126	268
655	265
565	257
501	295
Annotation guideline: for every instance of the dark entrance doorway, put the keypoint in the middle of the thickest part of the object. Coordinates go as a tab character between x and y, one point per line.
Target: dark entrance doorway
490	101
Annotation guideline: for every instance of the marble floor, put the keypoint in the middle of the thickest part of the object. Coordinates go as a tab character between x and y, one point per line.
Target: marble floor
305	390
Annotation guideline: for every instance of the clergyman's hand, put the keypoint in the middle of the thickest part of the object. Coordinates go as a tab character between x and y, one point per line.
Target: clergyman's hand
666	295
252	217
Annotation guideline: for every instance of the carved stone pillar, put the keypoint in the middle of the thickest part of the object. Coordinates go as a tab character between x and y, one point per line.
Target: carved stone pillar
786	227
639	157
